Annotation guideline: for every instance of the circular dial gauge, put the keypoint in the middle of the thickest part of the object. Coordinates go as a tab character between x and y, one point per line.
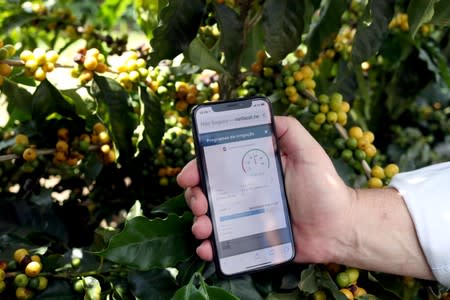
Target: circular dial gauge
255	162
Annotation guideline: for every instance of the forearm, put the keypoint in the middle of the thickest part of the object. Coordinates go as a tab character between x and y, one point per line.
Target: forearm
381	236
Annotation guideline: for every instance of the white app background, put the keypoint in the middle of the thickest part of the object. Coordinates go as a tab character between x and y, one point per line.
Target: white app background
244	188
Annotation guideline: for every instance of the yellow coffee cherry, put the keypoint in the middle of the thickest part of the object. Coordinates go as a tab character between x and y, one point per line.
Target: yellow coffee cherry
369	136
375	182
29	154
99	127
19	254
62	146
22	139
33	269
370	150
40	74
355	132
391	170
5	70
63	133
347	293
378	172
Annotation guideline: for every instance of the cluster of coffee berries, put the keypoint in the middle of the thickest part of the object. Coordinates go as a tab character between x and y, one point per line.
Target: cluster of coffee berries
328	111
64	154
6	51
132	69
175	151
399	21
101	138
381	176
347	281
186	95
344	40
358	146
39	62
88	61
21	276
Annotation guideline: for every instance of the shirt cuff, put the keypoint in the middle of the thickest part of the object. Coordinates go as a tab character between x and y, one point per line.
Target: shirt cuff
426	193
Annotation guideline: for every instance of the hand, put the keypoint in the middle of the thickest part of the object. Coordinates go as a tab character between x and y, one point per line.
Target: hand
319	201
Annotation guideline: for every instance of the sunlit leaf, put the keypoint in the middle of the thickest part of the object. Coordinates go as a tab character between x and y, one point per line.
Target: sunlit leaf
419	13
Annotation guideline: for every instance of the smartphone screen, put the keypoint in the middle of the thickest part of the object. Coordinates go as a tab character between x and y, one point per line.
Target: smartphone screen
242	177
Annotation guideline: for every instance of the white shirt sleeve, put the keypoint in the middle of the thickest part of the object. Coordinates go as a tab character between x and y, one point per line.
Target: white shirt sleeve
426	192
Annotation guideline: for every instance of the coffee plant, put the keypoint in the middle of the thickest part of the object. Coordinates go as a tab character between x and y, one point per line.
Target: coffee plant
94	121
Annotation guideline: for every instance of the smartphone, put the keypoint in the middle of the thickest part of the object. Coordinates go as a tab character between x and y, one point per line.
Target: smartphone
241	176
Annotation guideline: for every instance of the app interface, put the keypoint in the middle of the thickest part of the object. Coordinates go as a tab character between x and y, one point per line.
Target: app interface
243	179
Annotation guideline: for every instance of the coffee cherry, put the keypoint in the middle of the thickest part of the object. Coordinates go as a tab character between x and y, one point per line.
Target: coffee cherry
375	182
19	254
359	292
342	279
78	286
23	293
355	132
378	172
29	154
2	286
347	293
2	275
319	295
21	280
391	170
33	269
3	265
353	275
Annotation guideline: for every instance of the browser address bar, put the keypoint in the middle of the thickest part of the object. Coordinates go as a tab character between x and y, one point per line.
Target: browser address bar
233	120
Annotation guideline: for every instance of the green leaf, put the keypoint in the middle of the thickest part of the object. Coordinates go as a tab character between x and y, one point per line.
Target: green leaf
176	205
84	106
295	295
16	21
19	101
231	36
57	290
145	244
197	289
372	30
152	118
147	14
326	28
198	54
255	42
436	62
314	278
179	24
283	26
152	285
116	111
441	15
419	13
49	102
112	10
242	287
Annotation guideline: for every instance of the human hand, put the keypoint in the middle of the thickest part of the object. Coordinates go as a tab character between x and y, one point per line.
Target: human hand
319	201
